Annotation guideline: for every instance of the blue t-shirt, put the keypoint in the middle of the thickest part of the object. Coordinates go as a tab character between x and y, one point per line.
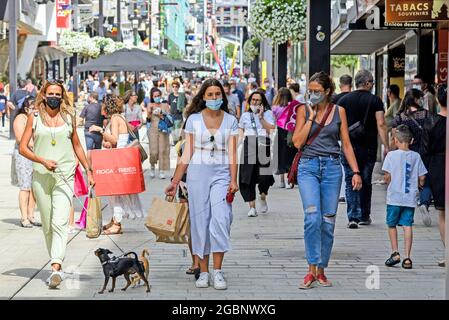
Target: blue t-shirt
405	168
3	101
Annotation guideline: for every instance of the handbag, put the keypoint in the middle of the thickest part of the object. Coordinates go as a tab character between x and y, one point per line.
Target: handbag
293	172
357	129
94	221
287	119
135	143
83	217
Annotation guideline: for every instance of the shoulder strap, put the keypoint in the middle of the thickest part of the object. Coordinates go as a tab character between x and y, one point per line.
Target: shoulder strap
130	130
253	124
367	110
321	125
414	120
36	115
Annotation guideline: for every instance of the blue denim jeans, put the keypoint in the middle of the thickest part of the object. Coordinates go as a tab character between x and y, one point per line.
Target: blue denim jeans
93	140
319	181
359	202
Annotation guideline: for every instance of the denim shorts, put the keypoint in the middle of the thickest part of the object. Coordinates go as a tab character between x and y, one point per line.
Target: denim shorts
400	216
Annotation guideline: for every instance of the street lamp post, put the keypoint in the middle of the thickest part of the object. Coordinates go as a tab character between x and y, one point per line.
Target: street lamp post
12	58
135	23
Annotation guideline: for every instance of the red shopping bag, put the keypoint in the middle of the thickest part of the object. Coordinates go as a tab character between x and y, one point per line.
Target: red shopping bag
117	171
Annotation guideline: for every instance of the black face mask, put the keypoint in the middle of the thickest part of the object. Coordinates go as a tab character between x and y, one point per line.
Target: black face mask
53	102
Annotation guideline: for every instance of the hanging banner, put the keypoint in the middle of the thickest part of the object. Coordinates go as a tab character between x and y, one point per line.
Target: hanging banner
416	10
63	11
217	59
442	55
264	74
234	57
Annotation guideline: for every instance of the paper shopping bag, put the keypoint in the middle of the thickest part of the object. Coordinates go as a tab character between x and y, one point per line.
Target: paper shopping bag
117	171
165	217
94	221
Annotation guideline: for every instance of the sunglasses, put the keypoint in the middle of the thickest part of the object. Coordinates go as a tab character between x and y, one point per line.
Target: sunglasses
212	140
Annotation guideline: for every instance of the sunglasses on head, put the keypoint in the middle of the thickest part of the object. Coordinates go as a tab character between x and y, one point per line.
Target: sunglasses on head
55	82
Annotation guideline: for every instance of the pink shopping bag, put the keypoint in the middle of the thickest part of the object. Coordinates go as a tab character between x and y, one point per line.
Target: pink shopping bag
287	119
80	184
82	221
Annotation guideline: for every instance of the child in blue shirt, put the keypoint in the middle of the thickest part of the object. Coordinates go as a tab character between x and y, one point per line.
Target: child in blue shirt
404	172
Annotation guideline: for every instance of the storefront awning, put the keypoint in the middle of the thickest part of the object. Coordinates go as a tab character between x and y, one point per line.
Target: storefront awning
51	53
364	41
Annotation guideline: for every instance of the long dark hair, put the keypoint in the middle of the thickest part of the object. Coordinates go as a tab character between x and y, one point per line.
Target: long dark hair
266	105
409	100
325	81
198	104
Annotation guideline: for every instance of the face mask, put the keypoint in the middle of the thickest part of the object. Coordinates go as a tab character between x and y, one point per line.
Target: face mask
316	98
53	102
254	108
417	87
157	99
214	104
303	78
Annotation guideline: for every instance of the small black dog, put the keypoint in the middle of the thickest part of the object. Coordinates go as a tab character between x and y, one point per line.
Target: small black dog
120	266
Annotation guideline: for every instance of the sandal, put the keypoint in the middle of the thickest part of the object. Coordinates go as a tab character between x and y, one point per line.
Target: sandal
309	281
190	270
407	264
26	224
322	281
117	231
35	223
391	261
109	225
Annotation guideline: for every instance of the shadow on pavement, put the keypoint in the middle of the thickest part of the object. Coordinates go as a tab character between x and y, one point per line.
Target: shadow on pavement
26	273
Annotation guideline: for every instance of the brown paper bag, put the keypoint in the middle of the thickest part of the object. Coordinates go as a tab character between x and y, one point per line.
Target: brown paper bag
94	221
165	217
182	235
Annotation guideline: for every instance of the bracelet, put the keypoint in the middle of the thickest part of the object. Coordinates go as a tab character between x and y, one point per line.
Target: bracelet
356	173
90	170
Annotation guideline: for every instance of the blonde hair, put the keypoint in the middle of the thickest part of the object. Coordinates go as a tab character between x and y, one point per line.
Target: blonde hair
66	109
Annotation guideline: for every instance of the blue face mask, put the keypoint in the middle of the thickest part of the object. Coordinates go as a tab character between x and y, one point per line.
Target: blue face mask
214	104
157	99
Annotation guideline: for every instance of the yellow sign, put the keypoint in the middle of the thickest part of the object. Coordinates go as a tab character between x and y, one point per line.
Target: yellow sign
264	73
416	10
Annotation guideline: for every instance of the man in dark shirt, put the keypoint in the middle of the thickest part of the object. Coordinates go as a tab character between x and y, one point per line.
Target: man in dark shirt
178	102
91	115
357	104
345	88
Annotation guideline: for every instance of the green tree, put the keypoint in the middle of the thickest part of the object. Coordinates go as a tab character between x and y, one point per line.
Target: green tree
229	50
345	61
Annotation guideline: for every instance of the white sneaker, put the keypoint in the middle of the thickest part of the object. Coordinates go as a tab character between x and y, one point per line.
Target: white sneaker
219	280
252	212
55	279
152	173
288	186
282	184
162	175
203	280
425	214
263	206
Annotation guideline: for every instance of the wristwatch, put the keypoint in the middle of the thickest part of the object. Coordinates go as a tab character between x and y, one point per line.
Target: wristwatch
356	173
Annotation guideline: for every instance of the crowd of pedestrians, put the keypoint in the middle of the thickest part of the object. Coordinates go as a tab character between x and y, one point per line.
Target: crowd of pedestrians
231	136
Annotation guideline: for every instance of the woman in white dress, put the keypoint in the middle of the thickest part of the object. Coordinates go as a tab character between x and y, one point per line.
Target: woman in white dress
116	136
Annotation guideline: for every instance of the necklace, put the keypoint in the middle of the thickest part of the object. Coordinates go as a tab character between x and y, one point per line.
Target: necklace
52	132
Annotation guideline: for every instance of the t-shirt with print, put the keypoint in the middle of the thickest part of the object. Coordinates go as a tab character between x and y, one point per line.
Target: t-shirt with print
356	103
246	123
405	168
204	143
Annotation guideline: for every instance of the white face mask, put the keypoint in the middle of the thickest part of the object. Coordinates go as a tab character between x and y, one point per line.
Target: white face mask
254	108
417	87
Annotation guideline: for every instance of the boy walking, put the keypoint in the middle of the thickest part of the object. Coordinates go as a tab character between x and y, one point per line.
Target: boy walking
404	171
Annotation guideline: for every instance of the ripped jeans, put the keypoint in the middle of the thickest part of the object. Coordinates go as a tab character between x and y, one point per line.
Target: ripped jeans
319	181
